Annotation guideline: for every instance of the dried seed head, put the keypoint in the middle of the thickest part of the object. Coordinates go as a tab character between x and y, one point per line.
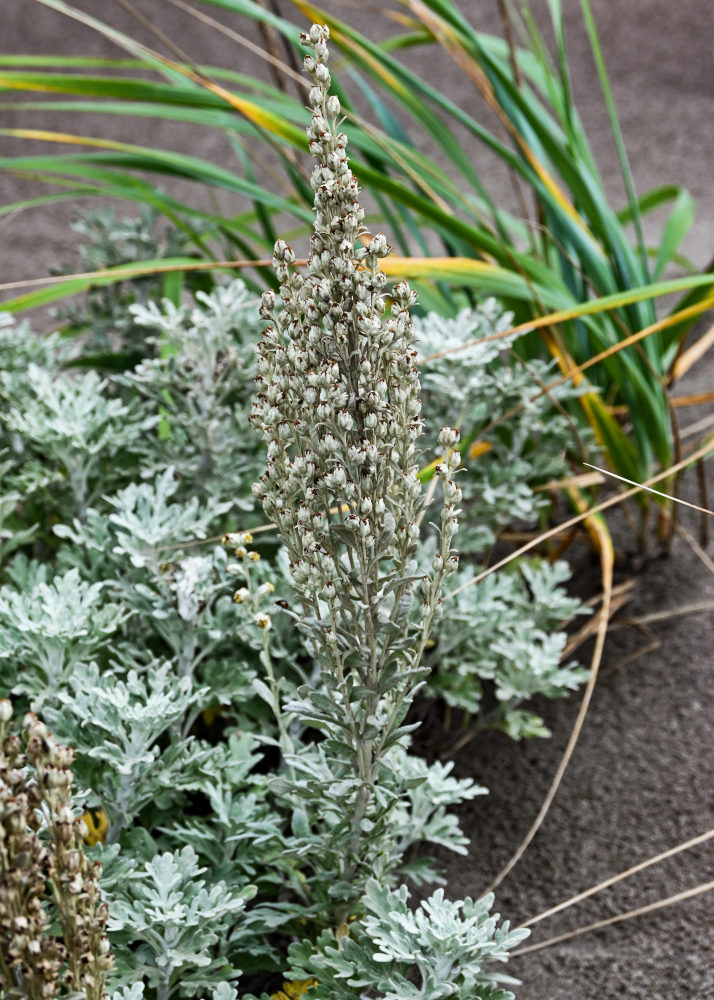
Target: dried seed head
30	865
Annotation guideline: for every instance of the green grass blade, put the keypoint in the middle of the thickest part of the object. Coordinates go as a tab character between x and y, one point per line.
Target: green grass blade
72	286
678	224
615	126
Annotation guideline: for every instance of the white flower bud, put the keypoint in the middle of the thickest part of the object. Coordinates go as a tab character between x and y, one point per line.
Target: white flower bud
378	245
344	420
317	33
448	437
452	563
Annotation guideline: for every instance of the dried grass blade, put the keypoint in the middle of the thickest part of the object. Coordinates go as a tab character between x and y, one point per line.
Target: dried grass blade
660	904
693	354
667	496
702	838
696	547
598	529
566	525
620	597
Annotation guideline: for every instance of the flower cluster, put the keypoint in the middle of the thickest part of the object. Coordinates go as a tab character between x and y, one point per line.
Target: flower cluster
338	406
252	593
35	784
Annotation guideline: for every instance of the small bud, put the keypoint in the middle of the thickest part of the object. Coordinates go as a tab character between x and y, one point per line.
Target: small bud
448	437
452	563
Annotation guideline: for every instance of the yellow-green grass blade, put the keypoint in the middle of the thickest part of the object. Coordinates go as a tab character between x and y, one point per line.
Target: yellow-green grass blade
456	270
126	155
261	117
73	285
287	113
145	158
49	62
207	117
73	193
673	338
197	105
466	270
111	183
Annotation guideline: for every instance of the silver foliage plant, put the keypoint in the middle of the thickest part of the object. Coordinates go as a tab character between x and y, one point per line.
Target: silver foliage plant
338	407
123	636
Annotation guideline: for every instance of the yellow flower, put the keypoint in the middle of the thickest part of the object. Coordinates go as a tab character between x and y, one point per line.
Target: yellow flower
293	990
97	826
209	715
237	538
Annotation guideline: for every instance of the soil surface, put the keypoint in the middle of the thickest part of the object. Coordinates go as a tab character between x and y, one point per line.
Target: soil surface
640	780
